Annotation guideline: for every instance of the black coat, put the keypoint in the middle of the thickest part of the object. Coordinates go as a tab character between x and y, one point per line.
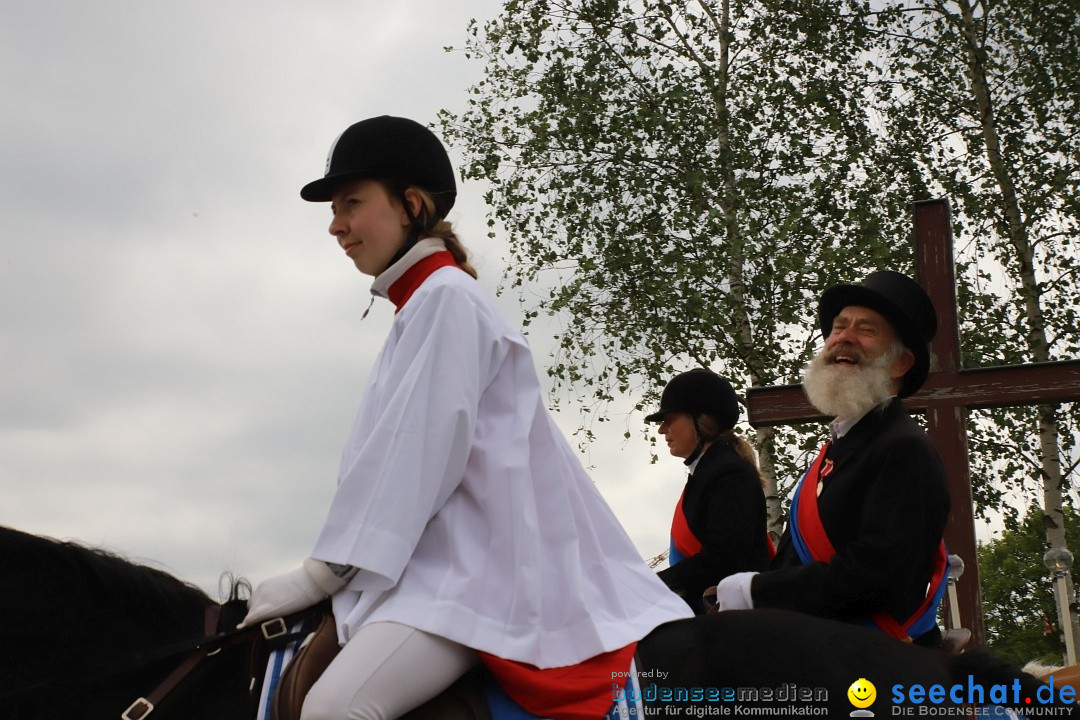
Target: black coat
883	507
725	509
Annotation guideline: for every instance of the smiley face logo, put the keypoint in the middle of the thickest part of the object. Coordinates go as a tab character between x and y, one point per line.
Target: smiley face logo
862	693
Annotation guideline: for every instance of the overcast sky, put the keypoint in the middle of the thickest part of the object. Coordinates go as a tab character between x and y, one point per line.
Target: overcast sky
183	352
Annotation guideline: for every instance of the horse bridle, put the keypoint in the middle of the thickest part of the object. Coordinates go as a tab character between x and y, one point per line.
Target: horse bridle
145	705
275	630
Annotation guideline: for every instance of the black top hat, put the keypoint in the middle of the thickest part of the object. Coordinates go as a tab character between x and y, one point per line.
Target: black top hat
388	148
904	304
699	391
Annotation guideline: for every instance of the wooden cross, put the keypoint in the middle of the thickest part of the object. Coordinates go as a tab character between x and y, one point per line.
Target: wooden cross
945	398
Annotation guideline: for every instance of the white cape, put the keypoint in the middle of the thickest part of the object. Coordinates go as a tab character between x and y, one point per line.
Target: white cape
466	510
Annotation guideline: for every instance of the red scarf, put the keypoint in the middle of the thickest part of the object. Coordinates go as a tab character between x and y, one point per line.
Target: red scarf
404	287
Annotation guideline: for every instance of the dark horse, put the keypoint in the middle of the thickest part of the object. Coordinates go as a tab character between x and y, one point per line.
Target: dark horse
79	630
74	623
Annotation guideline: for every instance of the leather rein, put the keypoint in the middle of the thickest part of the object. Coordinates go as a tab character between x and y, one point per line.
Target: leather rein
271	630
275	630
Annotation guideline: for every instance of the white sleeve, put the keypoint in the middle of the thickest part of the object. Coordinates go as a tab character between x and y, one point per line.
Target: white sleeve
418	420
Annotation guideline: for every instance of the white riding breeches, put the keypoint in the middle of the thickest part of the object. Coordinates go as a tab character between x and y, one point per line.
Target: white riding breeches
385	670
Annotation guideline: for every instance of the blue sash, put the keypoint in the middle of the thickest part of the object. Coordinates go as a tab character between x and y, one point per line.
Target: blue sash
812	544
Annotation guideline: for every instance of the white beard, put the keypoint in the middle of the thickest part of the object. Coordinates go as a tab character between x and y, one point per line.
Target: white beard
848	391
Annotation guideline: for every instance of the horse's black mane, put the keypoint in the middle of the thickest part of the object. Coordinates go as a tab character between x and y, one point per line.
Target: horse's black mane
68	611
104	577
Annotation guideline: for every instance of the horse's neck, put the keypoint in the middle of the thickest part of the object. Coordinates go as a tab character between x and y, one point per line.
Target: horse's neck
87	602
68	612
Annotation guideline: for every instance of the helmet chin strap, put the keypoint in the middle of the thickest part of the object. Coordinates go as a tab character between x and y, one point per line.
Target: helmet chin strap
411	239
415	228
694	455
700	443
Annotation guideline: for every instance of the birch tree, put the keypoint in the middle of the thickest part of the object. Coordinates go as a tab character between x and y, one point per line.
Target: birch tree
984	100
683	179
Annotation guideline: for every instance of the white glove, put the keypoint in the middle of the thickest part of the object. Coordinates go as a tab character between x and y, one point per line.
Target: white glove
733	592
291	592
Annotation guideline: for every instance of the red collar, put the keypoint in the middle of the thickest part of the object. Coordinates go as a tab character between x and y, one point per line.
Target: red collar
403	288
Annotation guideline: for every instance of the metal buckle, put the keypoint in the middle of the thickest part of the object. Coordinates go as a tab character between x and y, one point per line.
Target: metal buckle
272	629
142	707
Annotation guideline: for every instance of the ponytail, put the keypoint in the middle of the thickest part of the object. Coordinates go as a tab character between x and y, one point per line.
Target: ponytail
708	431
744	450
427	224
445	231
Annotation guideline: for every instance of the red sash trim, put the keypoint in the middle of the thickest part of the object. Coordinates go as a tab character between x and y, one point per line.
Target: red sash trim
574	692
821	549
687	544
682	537
404	287
810	527
941	569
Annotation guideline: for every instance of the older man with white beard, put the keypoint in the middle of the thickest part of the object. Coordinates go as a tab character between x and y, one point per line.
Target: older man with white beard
864	536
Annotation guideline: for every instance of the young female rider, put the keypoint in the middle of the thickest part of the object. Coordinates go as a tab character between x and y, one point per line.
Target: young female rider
719	527
463	525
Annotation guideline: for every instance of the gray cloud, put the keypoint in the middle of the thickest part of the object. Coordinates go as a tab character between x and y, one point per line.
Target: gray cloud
182	344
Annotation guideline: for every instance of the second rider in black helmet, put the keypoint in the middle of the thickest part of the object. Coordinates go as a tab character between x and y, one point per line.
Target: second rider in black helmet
719	526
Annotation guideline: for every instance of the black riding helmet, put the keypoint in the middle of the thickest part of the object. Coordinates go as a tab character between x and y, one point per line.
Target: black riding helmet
393	149
699	392
696	392
388	148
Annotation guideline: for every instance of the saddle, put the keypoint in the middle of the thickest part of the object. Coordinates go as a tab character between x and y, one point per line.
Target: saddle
306	667
464	700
